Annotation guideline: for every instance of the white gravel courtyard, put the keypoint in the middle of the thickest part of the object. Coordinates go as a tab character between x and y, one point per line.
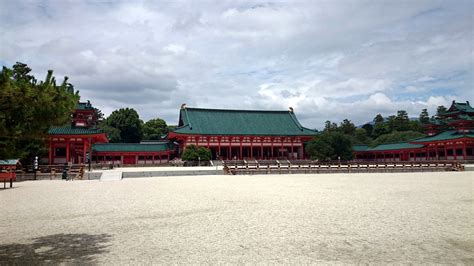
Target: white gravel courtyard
324	218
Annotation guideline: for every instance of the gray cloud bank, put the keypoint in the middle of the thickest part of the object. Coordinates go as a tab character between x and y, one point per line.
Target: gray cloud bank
327	59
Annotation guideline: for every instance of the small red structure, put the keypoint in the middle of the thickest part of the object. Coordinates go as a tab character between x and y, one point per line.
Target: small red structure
7	171
75	143
72	143
132	153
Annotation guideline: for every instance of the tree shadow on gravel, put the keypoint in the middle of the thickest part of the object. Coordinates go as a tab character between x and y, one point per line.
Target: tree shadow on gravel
78	248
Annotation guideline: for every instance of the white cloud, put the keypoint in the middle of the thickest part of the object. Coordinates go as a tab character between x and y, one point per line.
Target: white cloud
328	60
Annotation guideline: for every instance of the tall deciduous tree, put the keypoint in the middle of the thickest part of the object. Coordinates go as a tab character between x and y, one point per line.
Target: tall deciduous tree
127	121
29	108
153	129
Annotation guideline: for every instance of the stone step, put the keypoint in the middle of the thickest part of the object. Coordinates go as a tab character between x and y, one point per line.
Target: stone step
112	175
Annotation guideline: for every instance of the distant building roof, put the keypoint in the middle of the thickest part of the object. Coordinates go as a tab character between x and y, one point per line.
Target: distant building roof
240	122
68	130
131	147
84	106
389	146
447	135
459	108
9	162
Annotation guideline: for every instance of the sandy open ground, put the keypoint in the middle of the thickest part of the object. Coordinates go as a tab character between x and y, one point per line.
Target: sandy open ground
345	218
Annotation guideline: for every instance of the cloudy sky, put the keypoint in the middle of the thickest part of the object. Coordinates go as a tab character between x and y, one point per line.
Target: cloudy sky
329	60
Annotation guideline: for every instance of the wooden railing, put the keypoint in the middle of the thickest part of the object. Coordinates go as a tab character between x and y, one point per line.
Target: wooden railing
305	166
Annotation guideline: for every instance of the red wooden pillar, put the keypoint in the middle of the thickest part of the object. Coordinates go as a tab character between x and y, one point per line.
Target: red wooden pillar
229	156
281	151
84	151
292	149
67	150
219	146
208	140
251	147
445	152
50	155
464	151
241	139
261	148
272	140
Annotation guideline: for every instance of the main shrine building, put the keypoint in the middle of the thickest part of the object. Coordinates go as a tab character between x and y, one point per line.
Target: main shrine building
450	137
242	134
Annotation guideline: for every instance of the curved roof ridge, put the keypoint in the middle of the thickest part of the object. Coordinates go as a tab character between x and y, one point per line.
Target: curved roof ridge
237	110
292	115
188	122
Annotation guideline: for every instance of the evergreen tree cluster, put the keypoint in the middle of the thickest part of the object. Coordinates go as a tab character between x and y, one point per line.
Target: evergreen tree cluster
193	153
28	108
336	141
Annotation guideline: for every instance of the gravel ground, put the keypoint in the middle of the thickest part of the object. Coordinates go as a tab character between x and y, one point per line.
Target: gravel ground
326	218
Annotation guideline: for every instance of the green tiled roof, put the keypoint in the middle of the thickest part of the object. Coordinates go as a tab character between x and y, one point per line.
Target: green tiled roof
459	107
437	122
131	147
395	146
9	162
389	146
447	135
359	147
240	122
84	106
461	117
68	130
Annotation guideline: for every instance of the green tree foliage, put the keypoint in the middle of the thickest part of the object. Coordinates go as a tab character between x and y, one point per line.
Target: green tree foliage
329	126
153	129
424	117
128	124
368	129
440	110
360	136
402	122
113	134
330	146
193	153
415	125
28	108
396	136
347	127
380	129
378	119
